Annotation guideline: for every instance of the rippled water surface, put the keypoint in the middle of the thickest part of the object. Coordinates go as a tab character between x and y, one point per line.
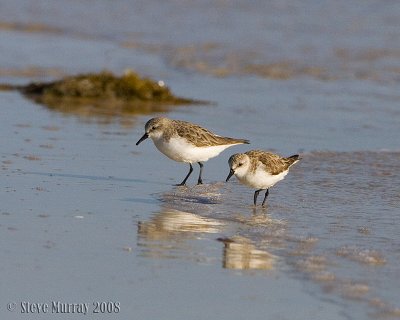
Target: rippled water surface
86	216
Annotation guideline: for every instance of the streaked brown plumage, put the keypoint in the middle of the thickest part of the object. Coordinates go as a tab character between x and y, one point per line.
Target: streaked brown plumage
273	163
193	133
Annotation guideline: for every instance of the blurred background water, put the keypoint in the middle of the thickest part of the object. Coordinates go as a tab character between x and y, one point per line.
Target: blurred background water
87	216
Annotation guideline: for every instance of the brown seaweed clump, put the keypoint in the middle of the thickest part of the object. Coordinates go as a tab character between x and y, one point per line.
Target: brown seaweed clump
104	85
104	94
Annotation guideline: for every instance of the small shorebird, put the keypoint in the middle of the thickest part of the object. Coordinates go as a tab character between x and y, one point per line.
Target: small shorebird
186	142
260	169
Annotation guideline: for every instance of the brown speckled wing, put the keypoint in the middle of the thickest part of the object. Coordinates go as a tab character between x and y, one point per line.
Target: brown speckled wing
201	137
273	163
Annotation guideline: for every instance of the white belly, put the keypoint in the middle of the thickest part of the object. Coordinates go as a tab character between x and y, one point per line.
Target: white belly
179	150
262	180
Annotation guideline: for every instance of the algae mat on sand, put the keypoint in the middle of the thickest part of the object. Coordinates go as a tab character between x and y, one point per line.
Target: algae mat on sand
102	94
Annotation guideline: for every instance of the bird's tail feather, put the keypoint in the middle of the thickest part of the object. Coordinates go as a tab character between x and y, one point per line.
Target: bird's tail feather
293	159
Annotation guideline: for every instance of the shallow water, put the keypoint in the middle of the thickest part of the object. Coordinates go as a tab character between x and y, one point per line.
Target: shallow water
87	216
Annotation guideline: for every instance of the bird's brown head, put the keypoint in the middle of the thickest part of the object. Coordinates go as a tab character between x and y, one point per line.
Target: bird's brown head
154	128
238	164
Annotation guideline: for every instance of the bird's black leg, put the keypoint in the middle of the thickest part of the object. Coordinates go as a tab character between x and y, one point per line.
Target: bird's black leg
187	176
256	195
265	197
200	181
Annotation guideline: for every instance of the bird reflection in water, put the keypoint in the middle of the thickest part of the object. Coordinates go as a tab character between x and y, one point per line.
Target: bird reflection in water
176	234
170	234
241	254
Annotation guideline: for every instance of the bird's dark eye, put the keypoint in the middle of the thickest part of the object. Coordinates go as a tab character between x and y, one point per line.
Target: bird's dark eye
240	164
153	128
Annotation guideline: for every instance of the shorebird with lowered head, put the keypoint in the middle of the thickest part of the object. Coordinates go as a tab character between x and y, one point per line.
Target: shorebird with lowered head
260	169
186	142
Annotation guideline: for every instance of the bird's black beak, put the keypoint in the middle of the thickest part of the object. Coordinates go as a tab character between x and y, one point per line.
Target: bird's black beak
144	137
231	173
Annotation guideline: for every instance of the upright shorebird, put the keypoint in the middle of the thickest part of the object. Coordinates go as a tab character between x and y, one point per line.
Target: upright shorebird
260	169
186	142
